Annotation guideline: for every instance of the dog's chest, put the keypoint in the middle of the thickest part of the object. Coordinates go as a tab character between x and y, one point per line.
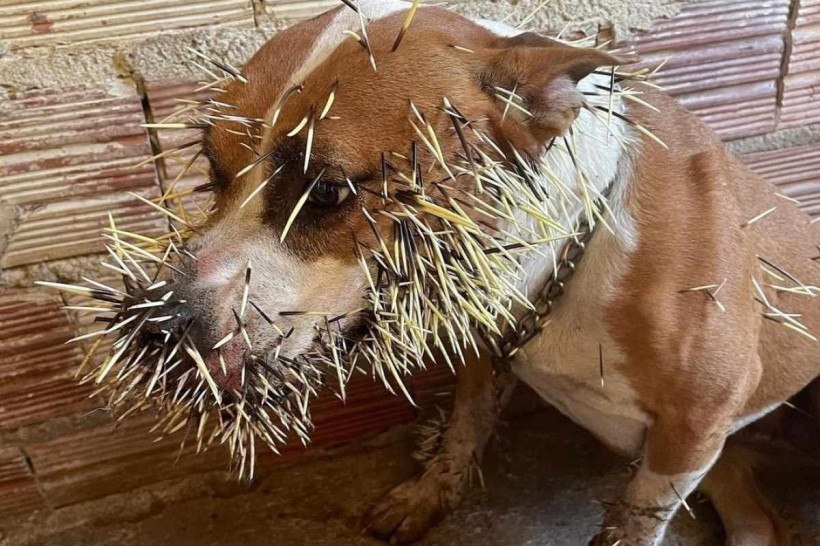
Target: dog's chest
574	363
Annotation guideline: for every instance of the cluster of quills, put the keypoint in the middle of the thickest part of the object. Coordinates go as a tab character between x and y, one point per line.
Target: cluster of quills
447	274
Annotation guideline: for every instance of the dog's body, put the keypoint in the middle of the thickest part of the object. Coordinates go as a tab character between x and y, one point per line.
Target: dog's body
653	369
681	215
650	366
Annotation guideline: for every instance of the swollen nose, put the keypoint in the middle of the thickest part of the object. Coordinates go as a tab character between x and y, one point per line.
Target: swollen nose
181	313
175	313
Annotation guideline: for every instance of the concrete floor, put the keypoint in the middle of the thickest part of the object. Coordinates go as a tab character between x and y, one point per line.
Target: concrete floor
544	480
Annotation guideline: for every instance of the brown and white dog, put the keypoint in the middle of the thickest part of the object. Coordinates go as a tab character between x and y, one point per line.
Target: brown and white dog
684	369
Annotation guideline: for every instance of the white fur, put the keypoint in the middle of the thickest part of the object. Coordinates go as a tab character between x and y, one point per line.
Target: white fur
598	147
562	363
750	418
649	490
280	281
334	34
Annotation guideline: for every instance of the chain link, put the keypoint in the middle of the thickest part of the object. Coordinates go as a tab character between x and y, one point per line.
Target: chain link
533	320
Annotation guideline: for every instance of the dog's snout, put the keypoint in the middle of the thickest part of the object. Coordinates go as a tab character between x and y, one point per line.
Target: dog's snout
215	262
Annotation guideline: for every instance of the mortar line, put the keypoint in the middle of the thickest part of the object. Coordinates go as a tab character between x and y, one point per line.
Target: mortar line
160	166
791	137
785	61
258	7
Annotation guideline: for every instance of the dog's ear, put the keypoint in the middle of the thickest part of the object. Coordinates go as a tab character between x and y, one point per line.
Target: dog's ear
533	82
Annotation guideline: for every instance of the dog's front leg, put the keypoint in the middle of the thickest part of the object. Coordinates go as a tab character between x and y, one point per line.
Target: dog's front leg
412	507
677	457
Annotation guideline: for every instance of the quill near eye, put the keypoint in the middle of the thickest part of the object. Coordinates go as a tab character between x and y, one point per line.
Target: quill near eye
326	194
396	185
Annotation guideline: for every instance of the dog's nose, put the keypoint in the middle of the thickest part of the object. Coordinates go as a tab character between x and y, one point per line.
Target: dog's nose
181	313
175	313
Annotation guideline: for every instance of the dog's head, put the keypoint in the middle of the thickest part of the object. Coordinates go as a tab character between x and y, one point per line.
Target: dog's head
346	127
373	182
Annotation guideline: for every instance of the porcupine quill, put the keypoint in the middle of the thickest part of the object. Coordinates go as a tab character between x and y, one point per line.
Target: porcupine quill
406	25
441	274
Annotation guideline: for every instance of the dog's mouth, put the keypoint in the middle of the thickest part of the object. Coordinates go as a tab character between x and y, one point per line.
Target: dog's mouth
239	367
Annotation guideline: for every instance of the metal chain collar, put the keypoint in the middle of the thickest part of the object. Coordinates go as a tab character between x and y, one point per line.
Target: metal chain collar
533	321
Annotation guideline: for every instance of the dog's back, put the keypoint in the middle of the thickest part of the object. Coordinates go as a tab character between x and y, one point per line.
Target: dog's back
708	219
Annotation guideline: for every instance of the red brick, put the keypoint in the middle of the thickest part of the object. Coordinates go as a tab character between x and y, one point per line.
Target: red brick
99	461
368	408
36	365
26	23
69	159
724	62
796	172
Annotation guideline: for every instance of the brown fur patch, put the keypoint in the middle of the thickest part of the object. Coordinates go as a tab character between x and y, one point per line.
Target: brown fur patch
694	367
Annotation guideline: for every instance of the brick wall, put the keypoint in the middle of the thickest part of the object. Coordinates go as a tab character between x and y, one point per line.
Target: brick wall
78	77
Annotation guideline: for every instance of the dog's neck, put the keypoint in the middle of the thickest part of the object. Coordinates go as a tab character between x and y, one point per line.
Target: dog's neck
597	144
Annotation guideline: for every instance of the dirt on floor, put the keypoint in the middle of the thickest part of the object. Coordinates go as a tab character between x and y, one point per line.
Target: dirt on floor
544	482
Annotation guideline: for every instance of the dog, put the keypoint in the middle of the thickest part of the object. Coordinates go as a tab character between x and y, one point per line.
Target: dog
684	307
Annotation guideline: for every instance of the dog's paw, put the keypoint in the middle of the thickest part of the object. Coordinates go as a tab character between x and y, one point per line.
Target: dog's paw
631	525
410	509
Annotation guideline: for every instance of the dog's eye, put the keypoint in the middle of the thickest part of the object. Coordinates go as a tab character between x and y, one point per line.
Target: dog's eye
324	194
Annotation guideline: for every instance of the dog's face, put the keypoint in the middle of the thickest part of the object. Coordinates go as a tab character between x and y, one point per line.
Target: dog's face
334	156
